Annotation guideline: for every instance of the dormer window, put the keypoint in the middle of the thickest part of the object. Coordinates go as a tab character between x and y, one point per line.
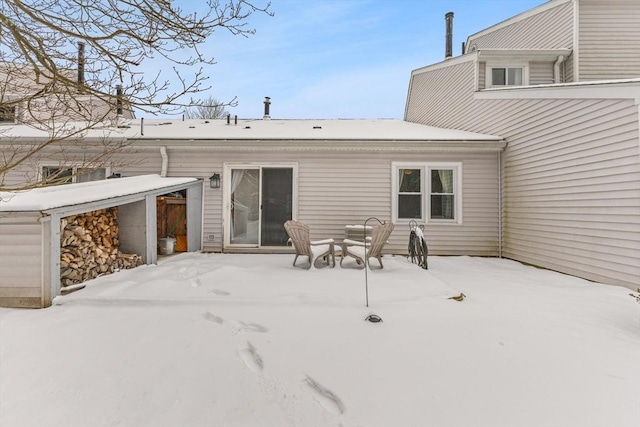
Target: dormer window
501	75
506	76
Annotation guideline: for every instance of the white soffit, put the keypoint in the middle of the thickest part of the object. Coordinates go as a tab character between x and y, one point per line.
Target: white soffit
524	55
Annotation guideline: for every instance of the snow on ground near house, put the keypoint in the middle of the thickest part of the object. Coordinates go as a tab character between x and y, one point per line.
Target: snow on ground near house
248	340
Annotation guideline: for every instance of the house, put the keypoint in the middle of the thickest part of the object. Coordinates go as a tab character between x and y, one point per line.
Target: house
51	101
525	146
561	84
42	98
331	174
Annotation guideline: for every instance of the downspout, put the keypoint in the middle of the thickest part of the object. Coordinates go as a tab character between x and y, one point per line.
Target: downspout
500	205
556	69
165	161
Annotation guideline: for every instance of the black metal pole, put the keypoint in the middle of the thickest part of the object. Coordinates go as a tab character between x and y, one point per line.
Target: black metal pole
364	239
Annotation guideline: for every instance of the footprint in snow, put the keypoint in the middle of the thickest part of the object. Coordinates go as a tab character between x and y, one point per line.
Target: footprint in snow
251	358
219	292
195	283
325	397
250	327
213	318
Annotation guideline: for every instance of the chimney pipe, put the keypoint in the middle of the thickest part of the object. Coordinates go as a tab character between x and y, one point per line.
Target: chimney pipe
80	64
119	100
228	119
449	35
267	102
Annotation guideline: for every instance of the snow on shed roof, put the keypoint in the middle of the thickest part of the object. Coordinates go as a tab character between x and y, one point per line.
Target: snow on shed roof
273	129
46	198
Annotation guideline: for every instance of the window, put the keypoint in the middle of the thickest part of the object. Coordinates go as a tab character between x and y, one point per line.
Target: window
511	75
86	175
506	76
56	175
427	192
442	194
8	114
410	193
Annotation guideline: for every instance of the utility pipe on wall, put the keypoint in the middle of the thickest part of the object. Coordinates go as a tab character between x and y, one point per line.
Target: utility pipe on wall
165	161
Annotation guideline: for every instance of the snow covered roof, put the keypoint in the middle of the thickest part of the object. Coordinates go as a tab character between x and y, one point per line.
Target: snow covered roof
273	129
46	198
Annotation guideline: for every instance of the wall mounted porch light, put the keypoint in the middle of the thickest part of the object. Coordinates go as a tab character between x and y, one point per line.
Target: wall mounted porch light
214	180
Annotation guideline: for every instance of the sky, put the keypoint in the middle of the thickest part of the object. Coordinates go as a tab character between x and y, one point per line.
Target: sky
328	59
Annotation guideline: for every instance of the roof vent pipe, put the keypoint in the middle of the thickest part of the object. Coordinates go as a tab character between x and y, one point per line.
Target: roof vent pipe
235	119
119	100
463	46
80	65
449	35
228	119
267	102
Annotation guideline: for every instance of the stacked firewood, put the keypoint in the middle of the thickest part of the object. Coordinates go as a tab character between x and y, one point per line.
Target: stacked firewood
89	247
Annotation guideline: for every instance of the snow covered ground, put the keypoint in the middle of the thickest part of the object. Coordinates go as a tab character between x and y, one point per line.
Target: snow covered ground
248	340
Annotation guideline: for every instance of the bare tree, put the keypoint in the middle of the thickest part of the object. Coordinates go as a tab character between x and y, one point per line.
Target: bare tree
208	108
70	66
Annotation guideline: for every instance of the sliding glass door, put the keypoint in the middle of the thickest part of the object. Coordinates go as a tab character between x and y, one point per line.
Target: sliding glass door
259	201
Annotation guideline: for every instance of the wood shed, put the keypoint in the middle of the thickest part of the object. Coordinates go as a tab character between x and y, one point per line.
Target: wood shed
54	238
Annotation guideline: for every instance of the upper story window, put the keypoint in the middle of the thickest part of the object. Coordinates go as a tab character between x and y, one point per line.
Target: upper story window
506	76
509	75
56	175
427	192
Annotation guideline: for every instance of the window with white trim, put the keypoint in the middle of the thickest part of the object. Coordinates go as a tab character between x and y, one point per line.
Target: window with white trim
56	174
427	192
506	75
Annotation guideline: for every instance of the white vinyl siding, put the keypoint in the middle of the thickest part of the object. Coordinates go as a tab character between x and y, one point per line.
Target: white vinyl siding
23	261
542	73
571	191
609	39
437	95
550	29
571	196
337	188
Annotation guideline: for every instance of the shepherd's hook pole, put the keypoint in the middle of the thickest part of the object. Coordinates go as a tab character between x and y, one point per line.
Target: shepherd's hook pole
366	262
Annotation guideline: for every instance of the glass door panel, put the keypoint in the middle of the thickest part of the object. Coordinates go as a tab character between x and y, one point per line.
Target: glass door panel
245	206
277	205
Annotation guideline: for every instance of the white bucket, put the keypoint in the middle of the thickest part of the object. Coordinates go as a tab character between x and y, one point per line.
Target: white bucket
166	245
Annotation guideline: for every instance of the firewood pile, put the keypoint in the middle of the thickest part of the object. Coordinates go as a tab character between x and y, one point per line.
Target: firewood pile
89	247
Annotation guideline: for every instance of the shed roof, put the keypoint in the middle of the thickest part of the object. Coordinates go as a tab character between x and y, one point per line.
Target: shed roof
47	198
259	129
